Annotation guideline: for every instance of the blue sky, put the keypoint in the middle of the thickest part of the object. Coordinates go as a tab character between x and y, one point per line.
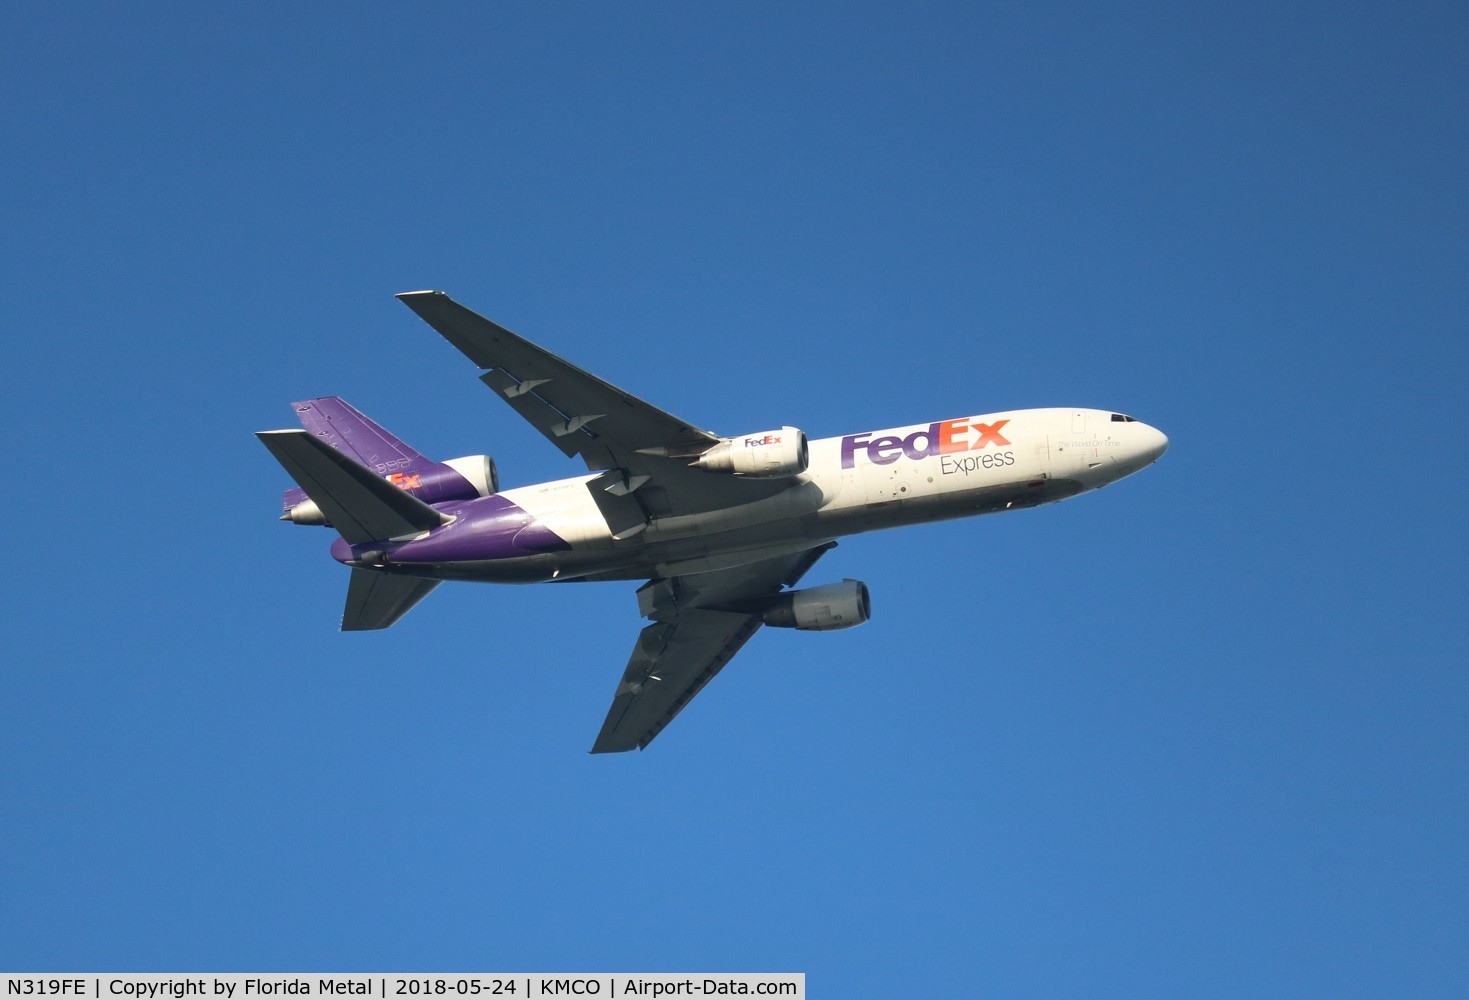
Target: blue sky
1202	733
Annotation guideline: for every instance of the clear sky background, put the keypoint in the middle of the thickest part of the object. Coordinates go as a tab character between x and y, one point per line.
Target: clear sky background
1200	734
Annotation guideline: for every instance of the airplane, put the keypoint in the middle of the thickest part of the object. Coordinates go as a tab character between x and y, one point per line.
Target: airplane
721	529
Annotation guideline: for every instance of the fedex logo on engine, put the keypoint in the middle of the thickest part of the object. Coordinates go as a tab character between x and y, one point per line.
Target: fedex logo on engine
757	442
943	438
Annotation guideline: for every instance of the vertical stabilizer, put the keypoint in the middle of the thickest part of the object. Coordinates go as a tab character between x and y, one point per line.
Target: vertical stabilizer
335	422
340	424
362	506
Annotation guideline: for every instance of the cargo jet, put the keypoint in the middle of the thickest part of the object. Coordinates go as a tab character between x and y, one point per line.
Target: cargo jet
720	528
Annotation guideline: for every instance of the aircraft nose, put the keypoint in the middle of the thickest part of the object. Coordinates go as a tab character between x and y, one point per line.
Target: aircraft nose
1153	443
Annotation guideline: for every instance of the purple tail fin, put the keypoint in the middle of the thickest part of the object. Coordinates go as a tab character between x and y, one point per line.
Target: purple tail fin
344	427
341	426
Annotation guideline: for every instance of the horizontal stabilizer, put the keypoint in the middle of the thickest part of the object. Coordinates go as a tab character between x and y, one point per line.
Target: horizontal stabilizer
361	505
376	600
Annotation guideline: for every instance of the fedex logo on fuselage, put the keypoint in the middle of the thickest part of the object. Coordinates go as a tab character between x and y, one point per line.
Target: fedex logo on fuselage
943	438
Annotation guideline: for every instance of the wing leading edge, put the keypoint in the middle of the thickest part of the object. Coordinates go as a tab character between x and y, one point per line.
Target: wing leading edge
576	411
702	621
584	416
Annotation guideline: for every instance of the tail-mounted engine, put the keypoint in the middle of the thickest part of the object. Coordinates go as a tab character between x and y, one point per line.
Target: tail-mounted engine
764	453
477	470
821	609
432	482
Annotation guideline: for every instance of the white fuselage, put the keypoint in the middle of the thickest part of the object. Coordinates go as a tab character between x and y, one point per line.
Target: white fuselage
859	482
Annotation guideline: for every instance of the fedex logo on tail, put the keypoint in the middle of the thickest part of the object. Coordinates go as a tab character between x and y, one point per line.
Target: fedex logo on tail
943	438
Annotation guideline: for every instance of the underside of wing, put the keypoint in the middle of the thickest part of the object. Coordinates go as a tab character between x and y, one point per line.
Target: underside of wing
584	416
701	621
670	664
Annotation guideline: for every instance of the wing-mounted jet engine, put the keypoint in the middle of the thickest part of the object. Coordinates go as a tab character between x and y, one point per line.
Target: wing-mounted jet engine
346	429
765	453
826	608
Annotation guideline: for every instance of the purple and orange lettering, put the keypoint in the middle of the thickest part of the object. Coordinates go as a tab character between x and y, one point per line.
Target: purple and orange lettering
991	433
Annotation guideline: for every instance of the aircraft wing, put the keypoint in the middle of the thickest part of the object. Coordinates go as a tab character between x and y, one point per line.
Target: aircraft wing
701	621
583	415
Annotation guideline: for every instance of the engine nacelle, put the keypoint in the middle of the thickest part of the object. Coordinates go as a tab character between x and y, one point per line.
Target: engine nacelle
821	609
479	471
438	482
764	453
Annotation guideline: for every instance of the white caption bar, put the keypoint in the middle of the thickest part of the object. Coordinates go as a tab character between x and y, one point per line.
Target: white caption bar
400	985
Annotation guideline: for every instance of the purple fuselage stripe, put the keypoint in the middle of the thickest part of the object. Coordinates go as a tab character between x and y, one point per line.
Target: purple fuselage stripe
488	528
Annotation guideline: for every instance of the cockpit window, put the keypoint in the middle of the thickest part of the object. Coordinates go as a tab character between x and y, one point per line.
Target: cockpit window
1119	418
